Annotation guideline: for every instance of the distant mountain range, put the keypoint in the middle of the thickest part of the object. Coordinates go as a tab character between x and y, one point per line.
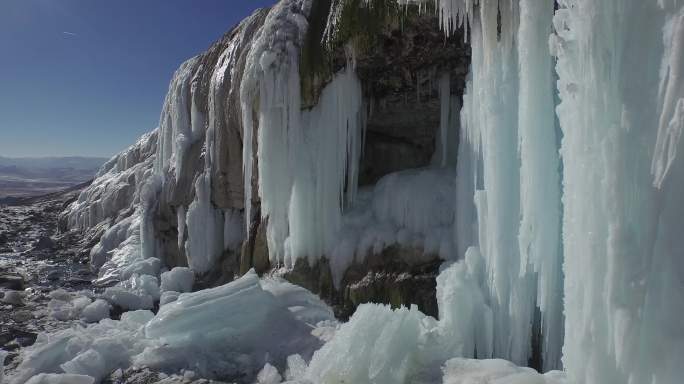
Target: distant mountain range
32	176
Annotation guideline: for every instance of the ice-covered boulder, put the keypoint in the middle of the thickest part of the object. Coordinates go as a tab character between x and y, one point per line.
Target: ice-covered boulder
96	311
65	305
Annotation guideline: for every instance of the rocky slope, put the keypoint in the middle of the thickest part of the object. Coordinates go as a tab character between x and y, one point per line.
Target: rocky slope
35	260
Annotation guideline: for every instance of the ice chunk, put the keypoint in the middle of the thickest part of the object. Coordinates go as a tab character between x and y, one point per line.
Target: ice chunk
67	306
137	318
296	368
88	363
138	292
269	375
303	305
179	279
203	331
377	345
96	311
126	299
168	297
141	267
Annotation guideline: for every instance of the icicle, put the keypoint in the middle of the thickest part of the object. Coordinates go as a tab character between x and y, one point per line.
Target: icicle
671	121
181	226
332	130
270	87
175	126
444	103
540	233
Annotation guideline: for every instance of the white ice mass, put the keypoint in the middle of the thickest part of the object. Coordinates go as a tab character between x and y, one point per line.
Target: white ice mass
559	223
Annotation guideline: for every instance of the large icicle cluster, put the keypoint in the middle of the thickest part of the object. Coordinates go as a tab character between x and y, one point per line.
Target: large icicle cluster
307	160
508	196
613	272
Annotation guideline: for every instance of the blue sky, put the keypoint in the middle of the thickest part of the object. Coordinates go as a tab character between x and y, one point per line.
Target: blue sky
87	77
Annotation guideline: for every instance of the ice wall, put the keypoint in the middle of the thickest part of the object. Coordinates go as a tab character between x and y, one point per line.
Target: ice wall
619	66
508	200
613	272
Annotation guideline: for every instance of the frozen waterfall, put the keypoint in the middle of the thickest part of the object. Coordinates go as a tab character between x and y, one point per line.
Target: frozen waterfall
560	228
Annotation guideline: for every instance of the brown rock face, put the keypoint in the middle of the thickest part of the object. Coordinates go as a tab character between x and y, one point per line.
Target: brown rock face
396	276
400	76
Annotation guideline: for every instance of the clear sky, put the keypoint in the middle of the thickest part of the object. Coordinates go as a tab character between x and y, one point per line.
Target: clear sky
87	77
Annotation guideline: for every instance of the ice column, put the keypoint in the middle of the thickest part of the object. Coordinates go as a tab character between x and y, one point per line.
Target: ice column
508	196
619	65
540	205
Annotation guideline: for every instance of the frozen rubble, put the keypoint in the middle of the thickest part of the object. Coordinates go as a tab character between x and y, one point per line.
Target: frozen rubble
281	332
200	331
